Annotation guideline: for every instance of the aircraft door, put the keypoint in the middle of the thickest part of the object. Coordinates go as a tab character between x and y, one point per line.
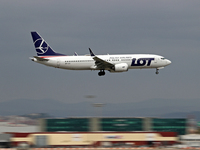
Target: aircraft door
156	60
58	63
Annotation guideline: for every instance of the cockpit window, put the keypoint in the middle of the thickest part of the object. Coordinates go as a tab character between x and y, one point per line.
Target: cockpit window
163	58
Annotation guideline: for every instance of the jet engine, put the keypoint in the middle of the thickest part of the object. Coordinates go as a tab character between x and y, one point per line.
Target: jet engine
123	67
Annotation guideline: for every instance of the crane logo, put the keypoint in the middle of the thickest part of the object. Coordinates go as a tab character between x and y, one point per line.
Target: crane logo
41	46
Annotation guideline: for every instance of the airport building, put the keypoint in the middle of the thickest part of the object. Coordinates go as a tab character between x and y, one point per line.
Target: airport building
104	132
93	139
125	124
191	140
108	132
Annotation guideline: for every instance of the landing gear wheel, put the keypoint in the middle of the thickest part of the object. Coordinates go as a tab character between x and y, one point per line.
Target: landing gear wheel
101	73
157	71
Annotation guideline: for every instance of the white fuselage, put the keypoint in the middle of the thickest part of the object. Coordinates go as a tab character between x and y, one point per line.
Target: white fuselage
134	61
113	63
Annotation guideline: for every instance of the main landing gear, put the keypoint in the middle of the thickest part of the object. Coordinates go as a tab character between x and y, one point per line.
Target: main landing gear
157	71
101	73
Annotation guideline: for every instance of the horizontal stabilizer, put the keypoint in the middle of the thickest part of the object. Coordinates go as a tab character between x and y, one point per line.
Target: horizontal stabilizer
36	58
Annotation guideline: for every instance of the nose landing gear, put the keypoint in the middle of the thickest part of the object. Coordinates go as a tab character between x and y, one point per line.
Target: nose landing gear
101	73
157	71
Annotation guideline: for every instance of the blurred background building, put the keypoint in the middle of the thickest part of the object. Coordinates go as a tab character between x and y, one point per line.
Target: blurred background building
107	132
178	125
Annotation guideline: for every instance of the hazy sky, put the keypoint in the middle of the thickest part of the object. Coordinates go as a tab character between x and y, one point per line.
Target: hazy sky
170	28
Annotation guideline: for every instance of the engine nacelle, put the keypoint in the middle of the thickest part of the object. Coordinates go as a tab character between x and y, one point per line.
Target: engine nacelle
123	67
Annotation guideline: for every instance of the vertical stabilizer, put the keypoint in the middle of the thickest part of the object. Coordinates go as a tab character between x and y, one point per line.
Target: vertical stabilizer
41	46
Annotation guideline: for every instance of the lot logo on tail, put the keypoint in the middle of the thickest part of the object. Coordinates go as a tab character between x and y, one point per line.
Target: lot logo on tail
41	46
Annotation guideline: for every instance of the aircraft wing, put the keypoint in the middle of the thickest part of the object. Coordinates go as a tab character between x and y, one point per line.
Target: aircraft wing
100	63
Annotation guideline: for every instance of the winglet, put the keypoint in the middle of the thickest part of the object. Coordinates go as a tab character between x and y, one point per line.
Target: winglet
91	53
75	54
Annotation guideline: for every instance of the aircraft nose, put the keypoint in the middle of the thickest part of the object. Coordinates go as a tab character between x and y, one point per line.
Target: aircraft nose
168	62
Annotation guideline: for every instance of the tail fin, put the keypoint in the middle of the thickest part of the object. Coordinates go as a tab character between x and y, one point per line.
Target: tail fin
41	46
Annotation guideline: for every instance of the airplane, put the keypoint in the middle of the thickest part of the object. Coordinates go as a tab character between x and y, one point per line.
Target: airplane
112	63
